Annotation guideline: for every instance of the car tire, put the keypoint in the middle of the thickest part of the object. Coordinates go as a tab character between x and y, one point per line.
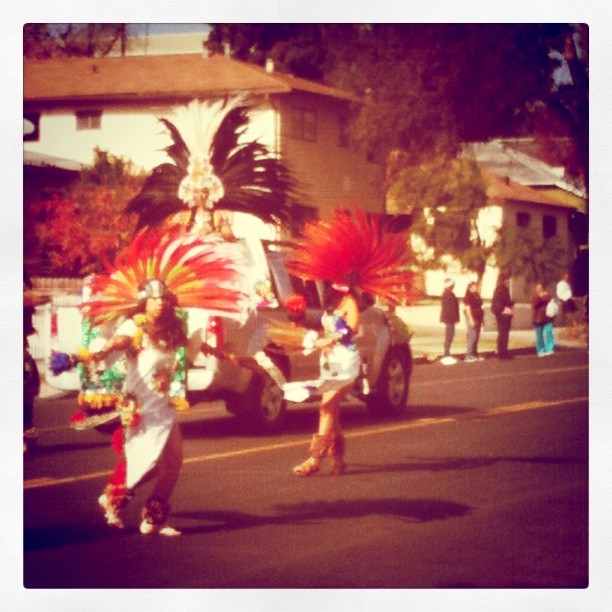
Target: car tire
391	392
262	406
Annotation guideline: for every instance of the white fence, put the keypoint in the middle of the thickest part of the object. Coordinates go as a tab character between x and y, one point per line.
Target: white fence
62	292
40	342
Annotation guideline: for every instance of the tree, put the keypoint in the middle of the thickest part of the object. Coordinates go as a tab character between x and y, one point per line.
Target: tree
46	40
81	231
566	111
425	87
296	48
524	252
445	198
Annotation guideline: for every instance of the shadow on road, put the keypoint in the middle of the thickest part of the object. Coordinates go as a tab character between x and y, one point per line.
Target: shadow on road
209	521
416	510
444	464
65	535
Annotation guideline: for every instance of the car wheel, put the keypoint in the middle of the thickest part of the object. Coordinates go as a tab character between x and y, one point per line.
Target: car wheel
262	405
391	392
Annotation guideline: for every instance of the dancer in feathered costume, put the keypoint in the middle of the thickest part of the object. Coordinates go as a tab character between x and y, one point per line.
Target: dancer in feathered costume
161	273
357	254
213	169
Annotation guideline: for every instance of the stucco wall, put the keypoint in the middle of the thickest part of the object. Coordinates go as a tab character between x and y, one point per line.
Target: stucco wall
133	132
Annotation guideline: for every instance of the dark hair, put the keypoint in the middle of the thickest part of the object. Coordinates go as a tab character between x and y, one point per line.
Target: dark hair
332	298
169	329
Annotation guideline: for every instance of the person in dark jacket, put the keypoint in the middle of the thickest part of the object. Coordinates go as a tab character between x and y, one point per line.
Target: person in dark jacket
542	323
502	307
449	315
31	376
474	315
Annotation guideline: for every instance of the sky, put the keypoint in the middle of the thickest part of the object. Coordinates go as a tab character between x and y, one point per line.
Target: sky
152	29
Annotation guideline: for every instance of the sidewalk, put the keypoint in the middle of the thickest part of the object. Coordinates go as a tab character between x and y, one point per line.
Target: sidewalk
427	340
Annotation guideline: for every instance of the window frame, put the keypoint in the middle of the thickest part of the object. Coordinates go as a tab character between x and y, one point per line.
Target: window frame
523	219
304	125
549	226
89	119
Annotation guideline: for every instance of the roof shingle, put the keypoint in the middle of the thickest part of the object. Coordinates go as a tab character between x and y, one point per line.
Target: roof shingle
149	77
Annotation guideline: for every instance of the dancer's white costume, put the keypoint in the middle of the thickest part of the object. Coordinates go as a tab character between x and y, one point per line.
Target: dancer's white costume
339	366
148	378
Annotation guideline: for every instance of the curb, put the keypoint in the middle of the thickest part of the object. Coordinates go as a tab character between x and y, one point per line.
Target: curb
560	348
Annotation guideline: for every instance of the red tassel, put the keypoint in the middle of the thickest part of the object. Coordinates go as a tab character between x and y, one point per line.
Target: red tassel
117	441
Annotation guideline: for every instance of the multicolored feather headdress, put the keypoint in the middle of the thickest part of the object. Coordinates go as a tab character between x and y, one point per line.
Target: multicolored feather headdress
213	168
198	272
354	249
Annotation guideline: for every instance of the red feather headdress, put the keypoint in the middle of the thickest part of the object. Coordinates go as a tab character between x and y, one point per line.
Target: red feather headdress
357	249
199	272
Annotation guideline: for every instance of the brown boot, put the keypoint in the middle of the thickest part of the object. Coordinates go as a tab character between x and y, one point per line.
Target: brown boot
336	453
318	448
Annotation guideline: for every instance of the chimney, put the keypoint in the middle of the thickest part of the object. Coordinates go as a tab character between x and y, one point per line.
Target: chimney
269	65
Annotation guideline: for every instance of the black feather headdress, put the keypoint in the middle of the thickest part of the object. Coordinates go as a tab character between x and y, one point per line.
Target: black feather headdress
214	169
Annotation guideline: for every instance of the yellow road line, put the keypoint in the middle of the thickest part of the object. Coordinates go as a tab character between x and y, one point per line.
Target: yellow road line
449	381
45	481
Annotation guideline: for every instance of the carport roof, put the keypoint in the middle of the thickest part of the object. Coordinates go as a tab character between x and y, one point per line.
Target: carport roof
502	188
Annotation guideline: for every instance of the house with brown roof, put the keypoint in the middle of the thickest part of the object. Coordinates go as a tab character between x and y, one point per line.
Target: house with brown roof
73	105
523	191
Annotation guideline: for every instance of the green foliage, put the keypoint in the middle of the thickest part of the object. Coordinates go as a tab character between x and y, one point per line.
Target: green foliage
445	197
525	252
429	87
295	47
45	40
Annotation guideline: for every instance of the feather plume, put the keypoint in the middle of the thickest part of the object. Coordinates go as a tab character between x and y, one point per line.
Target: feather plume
354	248
199	272
213	167
287	335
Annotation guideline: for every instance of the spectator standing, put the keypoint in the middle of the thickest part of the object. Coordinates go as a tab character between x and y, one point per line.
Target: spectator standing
542	322
502	307
474	316
449	315
566	297
31	377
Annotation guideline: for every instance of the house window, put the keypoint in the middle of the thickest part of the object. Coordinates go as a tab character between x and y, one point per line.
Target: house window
343	135
31	127
88	120
522	219
549	226
304	124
